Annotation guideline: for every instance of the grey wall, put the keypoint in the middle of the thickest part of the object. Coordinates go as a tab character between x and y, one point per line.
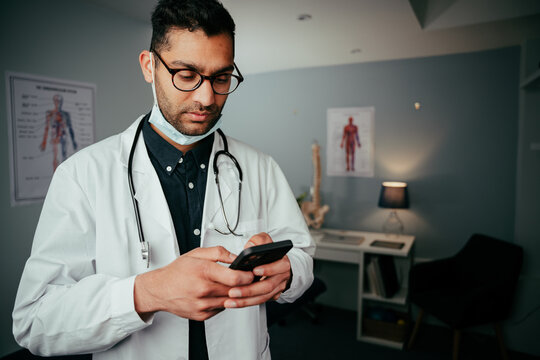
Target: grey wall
458	153
69	40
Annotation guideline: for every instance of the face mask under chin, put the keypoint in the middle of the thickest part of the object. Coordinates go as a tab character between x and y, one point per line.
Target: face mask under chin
159	121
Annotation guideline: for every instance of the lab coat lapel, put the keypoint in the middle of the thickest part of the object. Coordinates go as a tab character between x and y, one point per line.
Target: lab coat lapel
228	182
153	206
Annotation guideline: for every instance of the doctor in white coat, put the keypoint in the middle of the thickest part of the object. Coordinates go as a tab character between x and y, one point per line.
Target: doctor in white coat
87	289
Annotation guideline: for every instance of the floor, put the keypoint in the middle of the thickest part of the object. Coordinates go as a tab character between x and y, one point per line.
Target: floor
334	337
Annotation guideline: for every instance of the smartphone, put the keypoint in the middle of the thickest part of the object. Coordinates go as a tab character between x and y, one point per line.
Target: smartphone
258	255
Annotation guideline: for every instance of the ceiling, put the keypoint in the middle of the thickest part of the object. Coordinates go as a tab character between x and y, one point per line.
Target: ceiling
269	36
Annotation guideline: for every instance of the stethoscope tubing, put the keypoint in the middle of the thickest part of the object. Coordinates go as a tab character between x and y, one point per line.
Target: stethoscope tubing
145	247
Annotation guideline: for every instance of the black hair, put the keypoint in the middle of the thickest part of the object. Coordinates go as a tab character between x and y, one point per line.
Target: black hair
207	15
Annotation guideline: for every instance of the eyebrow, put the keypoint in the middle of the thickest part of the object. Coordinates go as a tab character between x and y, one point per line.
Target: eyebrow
182	64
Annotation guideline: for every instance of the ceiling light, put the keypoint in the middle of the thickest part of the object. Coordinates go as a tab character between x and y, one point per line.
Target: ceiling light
304	17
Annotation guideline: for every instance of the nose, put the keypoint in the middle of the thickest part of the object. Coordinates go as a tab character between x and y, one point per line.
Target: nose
205	93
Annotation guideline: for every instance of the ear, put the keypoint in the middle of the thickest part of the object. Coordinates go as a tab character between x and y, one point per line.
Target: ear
146	65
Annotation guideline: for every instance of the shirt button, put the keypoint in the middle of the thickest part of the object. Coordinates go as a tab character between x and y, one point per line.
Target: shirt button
169	168
190	185
181	160
203	166
197	232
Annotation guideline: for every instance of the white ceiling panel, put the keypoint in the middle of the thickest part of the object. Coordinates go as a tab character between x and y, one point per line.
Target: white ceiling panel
270	37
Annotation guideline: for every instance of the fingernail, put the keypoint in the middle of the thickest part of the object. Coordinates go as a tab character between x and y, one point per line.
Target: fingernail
230	304
250	244
258	271
235	293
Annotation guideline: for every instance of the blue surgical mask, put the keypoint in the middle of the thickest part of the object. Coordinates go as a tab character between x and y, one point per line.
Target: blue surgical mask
159	121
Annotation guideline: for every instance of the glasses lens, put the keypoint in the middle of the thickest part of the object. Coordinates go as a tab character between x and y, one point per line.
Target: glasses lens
225	83
189	80
186	80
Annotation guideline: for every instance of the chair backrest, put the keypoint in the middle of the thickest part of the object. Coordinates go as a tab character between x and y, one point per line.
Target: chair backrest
485	259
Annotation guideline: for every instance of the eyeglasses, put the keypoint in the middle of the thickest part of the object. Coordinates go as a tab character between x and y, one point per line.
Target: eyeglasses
190	80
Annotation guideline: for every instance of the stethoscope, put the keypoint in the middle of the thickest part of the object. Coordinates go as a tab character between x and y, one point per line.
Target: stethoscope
145	247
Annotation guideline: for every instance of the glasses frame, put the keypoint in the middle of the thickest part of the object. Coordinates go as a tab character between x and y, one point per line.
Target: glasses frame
202	77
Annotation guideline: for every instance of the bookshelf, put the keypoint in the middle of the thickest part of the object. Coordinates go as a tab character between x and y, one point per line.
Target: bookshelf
355	247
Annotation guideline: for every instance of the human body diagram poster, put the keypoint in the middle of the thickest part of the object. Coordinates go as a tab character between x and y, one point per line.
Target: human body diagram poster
48	120
350	144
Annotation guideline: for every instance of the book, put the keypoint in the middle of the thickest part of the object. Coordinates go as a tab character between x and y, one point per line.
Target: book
372	279
386	271
378	276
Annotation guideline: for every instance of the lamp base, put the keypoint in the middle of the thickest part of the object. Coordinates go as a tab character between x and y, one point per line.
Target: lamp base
393	224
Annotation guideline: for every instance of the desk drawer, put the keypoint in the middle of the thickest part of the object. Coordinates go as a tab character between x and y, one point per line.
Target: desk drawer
346	256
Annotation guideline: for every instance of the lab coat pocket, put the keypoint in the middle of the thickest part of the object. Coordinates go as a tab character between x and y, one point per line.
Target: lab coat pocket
247	229
232	243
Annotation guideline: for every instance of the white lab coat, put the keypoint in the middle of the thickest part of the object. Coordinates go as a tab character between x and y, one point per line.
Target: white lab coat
76	291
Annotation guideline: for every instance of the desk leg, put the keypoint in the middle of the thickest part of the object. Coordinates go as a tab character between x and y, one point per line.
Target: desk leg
360	295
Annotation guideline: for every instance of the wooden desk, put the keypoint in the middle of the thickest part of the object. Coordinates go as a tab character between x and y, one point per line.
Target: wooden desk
352	247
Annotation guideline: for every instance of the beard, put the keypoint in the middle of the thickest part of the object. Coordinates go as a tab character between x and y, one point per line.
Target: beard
177	115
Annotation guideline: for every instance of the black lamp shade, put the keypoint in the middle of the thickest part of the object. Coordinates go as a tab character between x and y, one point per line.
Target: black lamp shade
394	195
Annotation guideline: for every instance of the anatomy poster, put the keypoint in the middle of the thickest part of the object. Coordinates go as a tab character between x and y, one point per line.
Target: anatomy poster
350	144
48	120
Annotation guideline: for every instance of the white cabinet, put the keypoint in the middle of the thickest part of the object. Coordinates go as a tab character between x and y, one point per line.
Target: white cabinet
356	247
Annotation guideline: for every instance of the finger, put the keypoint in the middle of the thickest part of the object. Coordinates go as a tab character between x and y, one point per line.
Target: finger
267	286
211	289
282	265
205	315
211	304
223	275
199	309
215	254
258	239
250	301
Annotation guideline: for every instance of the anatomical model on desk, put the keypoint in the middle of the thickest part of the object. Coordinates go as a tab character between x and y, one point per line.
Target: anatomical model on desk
312	210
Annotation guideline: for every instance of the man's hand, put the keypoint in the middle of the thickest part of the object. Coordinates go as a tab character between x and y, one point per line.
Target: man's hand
193	286
275	279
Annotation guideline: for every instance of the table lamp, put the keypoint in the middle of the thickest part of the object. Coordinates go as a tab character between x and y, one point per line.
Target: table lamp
394	195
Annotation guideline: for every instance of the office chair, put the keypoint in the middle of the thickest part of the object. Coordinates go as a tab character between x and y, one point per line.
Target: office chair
276	312
474	287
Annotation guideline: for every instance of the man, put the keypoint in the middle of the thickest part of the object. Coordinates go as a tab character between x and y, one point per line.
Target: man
86	287
350	139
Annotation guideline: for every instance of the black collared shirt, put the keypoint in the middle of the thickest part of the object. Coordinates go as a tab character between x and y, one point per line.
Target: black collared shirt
183	180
